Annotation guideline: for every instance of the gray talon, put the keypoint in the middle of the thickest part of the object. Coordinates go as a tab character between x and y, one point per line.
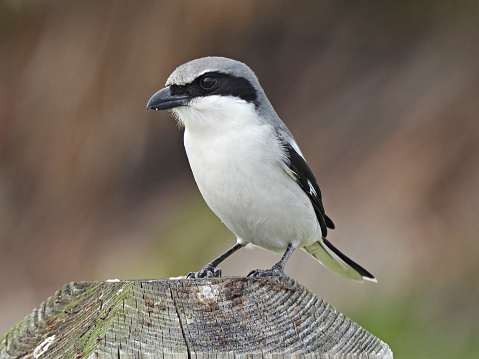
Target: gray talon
206	272
273	272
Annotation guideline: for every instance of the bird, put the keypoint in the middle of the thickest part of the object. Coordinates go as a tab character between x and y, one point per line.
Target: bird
248	166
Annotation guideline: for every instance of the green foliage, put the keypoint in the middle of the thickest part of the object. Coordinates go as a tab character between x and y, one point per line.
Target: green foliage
426	322
192	237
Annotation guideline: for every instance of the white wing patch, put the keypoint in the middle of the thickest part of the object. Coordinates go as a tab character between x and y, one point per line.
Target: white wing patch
289	171
312	191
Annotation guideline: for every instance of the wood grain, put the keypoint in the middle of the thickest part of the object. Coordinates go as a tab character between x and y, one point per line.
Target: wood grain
175	318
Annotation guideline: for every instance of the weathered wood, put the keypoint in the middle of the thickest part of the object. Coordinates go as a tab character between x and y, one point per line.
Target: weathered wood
203	318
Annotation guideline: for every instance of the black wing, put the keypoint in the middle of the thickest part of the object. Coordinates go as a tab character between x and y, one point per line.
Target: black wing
308	184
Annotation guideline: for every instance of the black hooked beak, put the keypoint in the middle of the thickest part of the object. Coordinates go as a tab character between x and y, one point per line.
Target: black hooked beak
164	100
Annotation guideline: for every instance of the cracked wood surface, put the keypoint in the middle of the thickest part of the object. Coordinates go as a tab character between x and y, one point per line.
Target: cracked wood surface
175	318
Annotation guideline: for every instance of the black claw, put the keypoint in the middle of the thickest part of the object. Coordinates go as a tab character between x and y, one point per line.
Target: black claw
276	271
206	272
273	272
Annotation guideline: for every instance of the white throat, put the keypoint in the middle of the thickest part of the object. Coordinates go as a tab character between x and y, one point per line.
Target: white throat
212	114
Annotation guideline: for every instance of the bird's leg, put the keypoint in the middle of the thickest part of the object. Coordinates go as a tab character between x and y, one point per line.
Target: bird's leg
278	269
210	270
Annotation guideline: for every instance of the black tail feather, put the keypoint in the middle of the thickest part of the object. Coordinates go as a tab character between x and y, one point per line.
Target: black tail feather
363	272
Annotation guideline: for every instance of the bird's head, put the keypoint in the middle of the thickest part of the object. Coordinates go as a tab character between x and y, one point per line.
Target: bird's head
209	90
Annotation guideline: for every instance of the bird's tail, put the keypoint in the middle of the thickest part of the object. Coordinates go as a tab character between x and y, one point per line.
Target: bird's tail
334	260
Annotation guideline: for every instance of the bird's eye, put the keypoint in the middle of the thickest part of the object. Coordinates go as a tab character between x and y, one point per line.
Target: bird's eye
208	82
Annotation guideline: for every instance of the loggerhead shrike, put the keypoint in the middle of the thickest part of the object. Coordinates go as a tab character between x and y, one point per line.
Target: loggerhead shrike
248	167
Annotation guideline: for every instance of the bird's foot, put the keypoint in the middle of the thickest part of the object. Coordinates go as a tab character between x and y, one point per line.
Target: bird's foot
206	272
276	271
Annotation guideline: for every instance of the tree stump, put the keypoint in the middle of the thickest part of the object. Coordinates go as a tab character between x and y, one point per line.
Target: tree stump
272	317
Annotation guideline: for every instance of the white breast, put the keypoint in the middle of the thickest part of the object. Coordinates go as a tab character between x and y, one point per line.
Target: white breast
237	163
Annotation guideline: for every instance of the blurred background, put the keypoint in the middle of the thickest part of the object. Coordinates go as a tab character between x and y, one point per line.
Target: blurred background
383	98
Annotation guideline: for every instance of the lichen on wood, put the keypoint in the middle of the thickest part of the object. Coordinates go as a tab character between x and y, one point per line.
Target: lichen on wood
214	318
